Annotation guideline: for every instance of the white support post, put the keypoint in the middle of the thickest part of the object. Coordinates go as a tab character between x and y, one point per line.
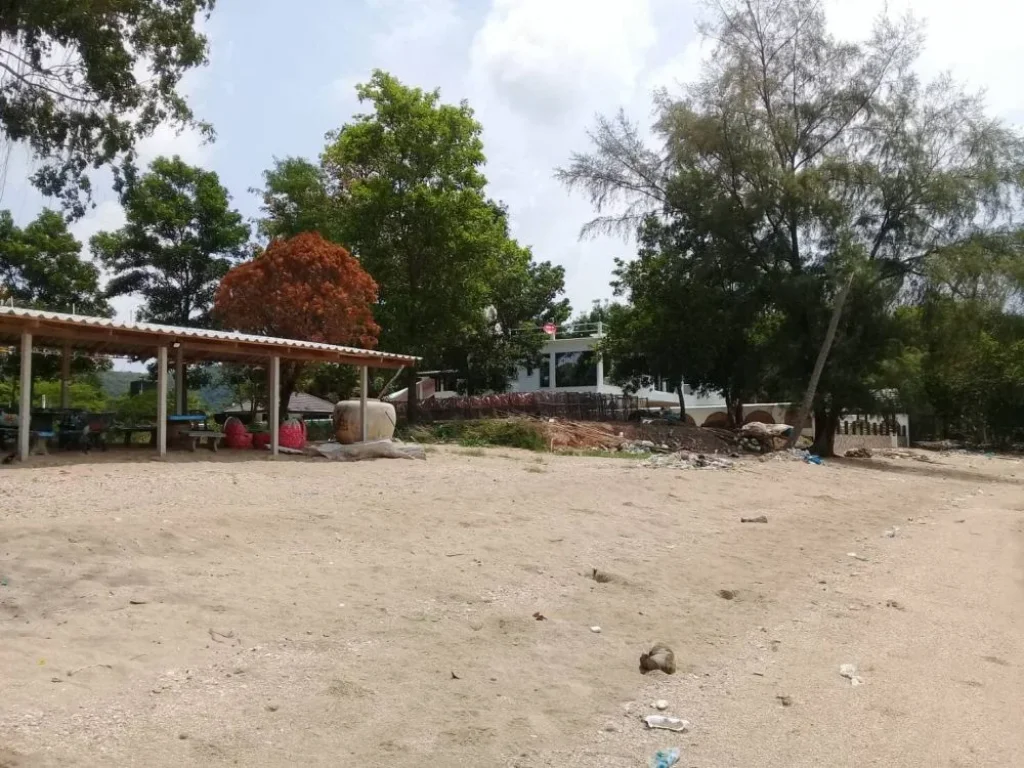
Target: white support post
25	402
65	378
161	401
600	372
274	395
551	371
180	385
363	387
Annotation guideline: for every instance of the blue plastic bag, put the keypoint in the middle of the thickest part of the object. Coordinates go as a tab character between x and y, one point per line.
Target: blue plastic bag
665	758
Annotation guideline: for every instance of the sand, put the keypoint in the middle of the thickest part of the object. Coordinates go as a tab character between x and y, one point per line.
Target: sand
211	611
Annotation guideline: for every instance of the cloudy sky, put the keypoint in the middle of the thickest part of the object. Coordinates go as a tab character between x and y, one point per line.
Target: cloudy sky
536	71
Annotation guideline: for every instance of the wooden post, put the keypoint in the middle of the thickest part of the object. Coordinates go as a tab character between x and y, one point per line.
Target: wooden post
25	401
363	387
274	396
161	401
180	385
65	378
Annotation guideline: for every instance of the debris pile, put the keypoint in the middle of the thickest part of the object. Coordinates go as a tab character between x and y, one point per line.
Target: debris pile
685	460
858	453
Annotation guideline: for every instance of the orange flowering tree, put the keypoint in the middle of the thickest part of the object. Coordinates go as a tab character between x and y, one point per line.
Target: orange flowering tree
305	288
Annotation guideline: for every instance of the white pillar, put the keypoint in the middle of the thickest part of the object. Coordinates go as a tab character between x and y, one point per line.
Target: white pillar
551	371
65	378
161	401
180	385
364	380
25	403
274	396
600	371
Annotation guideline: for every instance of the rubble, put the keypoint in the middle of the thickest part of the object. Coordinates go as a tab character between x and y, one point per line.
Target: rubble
686	460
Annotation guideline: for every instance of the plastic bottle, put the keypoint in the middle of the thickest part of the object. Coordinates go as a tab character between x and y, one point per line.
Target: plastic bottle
665	758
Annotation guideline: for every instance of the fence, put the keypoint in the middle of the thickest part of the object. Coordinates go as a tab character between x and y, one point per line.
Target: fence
870	432
581	406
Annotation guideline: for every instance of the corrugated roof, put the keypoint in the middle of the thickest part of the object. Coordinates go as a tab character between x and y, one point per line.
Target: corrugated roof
88	321
300	402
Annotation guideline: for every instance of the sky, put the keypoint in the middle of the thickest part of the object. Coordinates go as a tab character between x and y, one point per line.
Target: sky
536	72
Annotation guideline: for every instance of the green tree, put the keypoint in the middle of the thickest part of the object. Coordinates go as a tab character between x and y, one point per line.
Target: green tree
835	168
296	199
410	193
84	81
181	238
41	266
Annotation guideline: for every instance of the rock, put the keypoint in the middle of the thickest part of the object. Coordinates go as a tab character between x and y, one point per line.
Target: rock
785	701
660	657
380	421
858	453
849	671
596	630
758	519
272	707
727	594
891	532
661	705
610	727
855	556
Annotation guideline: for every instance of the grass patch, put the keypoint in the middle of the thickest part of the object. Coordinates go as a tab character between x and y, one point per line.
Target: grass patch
476	453
503	433
536	470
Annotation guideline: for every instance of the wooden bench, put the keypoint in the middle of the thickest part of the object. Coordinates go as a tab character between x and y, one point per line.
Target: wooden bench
198	436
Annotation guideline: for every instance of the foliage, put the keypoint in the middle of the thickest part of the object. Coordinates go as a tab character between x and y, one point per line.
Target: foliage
410	199
180	240
84	81
795	165
141	408
301	288
507	433
41	266
522	298
296	199
84	393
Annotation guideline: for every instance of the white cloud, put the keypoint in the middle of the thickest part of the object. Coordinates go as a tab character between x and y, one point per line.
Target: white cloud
978	43
549	58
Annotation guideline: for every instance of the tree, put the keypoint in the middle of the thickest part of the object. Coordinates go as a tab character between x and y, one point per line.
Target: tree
300	288
41	267
84	81
180	240
297	199
831	164
409	188
522	297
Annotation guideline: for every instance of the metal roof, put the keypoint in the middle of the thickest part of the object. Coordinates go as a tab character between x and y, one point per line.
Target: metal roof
109	336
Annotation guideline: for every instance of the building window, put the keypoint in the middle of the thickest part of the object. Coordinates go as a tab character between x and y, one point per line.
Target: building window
544	366
576	369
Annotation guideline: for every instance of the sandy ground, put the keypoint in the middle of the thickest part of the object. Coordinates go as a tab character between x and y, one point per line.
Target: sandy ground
256	613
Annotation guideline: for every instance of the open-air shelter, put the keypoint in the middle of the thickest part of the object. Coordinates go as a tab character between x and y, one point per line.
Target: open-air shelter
33	329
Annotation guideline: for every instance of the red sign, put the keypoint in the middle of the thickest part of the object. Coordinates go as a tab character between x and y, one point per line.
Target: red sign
549	329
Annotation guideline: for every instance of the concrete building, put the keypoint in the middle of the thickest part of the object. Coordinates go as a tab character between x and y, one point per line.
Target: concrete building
572	363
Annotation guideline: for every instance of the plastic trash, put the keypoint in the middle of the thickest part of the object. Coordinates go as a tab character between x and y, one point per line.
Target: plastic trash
812	459
666	723
665	758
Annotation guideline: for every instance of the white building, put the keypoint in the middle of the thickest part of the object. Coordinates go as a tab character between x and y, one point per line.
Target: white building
573	364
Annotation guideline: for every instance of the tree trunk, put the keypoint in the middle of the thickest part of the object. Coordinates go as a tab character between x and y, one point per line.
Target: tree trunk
737	413
412	398
289	381
682	404
819	364
825	423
